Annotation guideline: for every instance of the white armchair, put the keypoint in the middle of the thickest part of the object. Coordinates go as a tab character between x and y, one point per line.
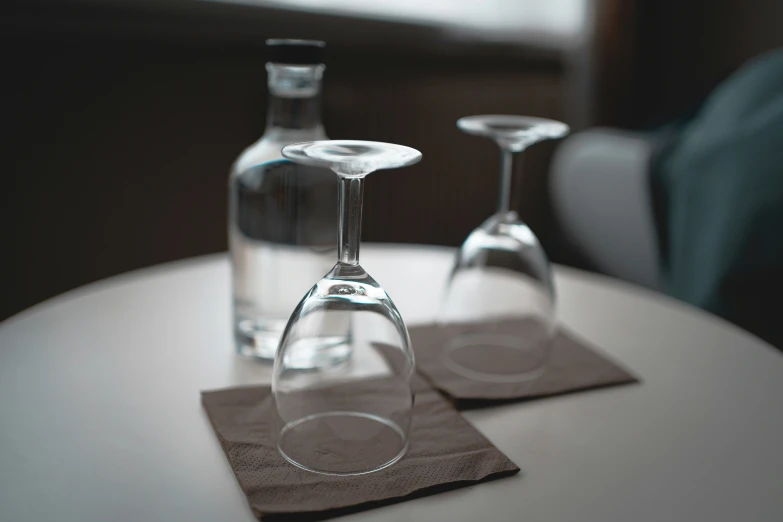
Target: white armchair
601	197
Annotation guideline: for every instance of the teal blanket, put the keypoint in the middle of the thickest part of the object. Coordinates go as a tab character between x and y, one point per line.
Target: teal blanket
717	185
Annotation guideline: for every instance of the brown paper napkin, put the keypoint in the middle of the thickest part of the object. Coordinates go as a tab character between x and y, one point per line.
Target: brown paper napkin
573	366
445	452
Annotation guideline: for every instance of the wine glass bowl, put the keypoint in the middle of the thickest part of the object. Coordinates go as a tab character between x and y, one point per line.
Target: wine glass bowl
344	416
348	410
498	312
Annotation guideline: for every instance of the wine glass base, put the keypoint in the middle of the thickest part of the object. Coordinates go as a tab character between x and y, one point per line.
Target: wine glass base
351	158
342	443
495	358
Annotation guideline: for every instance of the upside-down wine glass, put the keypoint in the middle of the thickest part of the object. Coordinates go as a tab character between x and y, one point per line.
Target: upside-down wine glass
498	315
345	415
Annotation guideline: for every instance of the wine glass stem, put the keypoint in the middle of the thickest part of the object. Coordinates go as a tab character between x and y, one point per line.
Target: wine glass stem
351	193
506	170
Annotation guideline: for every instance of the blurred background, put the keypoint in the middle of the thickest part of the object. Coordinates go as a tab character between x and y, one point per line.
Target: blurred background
123	117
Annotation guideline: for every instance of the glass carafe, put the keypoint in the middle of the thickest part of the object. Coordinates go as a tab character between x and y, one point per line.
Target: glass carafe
281	215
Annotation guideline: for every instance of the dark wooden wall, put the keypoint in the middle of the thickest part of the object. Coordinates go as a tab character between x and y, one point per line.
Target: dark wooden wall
122	117
658	59
121	123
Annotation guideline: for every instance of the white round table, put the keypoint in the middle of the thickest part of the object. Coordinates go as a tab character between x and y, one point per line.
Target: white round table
100	415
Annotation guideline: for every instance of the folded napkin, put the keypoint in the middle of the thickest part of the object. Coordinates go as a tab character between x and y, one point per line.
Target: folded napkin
445	452
573	366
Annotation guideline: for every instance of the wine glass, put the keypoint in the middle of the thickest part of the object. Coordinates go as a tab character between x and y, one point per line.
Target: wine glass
345	415
498	315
